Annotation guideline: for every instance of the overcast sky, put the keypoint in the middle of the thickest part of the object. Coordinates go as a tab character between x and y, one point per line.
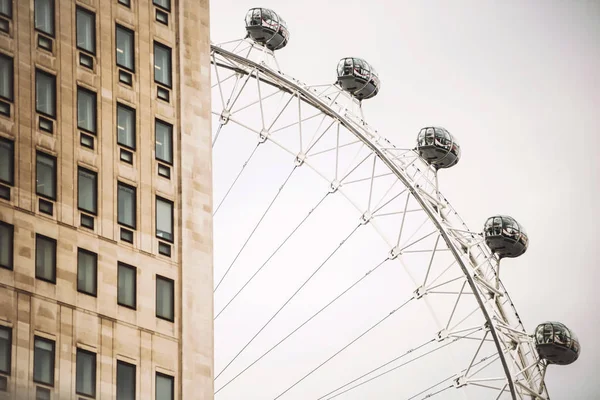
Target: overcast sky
518	83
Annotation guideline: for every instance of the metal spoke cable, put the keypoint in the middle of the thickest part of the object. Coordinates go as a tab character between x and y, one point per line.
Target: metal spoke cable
236	179
430	395
274	252
393	369
290	298
346	346
256	227
304	323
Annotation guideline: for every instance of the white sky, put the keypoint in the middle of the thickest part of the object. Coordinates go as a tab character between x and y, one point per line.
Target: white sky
519	86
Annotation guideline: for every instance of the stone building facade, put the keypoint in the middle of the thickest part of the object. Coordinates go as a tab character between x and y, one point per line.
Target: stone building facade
105	200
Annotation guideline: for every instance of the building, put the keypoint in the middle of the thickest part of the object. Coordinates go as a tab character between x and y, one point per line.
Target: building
105	200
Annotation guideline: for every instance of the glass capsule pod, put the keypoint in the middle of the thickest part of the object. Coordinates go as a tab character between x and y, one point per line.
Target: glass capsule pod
358	78
505	236
556	343
267	28
438	147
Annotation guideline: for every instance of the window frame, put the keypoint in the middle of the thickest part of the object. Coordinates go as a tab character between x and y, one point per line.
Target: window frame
95	266
53	343
11	144
172	282
95	196
53	6
126	365
11	230
94	110
170	50
125	3
170	377
95	374
11	60
9	350
54	189
47	74
158	121
159	198
53	241
132	32
134	270
134	128
83	10
125	185
161	7
10	11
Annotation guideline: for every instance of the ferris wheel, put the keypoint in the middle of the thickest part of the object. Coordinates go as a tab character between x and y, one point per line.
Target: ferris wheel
341	270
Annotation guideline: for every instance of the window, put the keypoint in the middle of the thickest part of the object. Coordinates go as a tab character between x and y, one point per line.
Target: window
45	93
126	3
87	272
44	16
43	361
162	64
6	245
86	373
5	349
165	307
164	219
166	4
125	381
126	126
87	190
125	48
6	8
6	77
45	175
86	110
126	197
164	141
164	387
86	30
126	282
45	258
7	160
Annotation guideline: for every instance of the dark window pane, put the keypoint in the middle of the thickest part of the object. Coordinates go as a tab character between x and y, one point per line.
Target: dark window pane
87	191
6	77
126	126
165	307
6	8
45	93
164	387
162	64
126	3
44	16
87	271
86	373
125	381
125	48
7	161
164	219
5	349
166	4
126	198
46	175
43	361
164	141
86	110
86	30
45	258
126	286
6	245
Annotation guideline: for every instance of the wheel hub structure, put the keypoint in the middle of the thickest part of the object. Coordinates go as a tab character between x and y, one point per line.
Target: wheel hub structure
341	271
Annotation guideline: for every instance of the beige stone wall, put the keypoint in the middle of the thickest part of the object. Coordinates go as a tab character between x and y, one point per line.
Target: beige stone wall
183	348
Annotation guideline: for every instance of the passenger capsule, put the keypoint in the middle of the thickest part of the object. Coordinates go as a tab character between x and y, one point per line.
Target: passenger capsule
267	28
505	237
438	147
358	78
556	343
